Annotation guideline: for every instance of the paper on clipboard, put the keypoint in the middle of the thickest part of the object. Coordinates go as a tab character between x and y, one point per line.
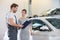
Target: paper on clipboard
26	23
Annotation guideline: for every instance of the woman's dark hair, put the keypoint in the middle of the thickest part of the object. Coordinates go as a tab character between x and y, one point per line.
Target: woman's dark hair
13	5
24	10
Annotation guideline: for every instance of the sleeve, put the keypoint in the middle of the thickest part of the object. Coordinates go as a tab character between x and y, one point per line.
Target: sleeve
19	21
10	16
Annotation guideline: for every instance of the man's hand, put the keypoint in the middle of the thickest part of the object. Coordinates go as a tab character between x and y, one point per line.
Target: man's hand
20	26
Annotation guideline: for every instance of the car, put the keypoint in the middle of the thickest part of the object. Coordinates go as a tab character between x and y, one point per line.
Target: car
46	28
55	11
51	12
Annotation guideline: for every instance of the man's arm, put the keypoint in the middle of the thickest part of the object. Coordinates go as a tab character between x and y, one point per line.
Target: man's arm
10	20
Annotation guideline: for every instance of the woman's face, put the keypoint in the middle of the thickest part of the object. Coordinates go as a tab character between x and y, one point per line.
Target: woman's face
23	13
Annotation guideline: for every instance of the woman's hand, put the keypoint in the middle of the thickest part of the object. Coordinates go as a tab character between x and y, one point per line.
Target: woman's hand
32	33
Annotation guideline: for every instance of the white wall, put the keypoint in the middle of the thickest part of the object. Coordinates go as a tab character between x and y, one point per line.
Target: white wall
38	6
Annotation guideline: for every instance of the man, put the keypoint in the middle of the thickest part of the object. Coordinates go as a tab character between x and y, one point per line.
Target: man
12	22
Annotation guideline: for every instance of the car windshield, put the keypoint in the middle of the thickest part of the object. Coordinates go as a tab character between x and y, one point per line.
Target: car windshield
55	22
40	25
37	23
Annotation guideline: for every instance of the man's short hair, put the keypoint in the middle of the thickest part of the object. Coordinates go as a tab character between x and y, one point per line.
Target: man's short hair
13	5
24	10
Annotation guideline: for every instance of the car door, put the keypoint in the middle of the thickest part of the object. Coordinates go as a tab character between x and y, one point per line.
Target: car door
40	29
55	35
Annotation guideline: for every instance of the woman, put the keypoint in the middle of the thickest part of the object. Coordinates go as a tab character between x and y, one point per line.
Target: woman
24	34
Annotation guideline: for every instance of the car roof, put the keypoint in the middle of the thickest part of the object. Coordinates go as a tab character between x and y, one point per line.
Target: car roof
45	17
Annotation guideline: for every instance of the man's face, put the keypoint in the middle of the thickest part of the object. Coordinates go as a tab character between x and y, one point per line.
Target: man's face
14	9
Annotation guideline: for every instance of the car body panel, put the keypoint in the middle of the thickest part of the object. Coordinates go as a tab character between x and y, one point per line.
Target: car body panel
46	35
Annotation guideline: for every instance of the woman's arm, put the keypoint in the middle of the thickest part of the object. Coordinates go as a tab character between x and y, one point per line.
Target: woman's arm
30	29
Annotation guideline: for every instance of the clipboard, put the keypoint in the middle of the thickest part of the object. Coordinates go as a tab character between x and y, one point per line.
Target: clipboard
25	24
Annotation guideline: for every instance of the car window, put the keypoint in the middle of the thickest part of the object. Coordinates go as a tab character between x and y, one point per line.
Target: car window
39	25
55	22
